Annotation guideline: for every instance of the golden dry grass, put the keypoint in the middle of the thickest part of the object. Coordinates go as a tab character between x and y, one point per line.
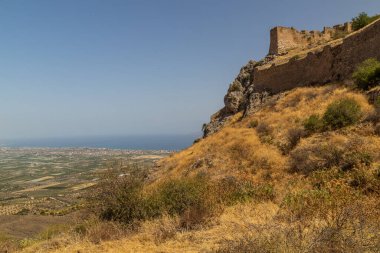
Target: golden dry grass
239	150
234	222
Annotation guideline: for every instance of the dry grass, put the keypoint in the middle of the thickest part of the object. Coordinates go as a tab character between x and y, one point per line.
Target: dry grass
155	236
232	151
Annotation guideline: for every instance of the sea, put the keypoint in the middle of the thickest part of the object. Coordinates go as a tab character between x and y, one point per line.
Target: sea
135	142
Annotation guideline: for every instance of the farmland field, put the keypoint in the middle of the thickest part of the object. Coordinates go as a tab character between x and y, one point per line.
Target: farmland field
44	184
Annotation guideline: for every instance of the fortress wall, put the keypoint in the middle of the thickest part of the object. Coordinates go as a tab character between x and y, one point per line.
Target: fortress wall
284	39
331	64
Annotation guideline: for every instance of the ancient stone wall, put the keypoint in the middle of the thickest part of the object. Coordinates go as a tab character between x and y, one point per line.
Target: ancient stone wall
285	39
333	63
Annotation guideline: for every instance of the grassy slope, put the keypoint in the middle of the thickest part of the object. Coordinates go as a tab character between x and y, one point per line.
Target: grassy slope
261	154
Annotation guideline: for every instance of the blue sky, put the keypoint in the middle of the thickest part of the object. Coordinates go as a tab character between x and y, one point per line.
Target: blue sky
119	67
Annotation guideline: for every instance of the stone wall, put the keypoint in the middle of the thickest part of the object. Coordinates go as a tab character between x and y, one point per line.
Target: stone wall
284	39
333	63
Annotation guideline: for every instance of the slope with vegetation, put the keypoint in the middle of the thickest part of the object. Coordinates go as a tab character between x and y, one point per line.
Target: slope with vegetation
301	173
268	182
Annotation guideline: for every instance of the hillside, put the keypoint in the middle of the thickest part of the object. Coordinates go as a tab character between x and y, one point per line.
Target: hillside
319	190
290	164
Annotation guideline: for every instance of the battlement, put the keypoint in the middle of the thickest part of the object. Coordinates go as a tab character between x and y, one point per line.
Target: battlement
285	39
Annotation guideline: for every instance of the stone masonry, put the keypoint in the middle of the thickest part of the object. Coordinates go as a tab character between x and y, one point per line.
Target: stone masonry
284	39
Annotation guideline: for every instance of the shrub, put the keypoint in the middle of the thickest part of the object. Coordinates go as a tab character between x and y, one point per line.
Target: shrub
235	86
121	200
293	137
313	123
367	74
315	157
346	156
252	124
342	113
190	198
362	20
264	130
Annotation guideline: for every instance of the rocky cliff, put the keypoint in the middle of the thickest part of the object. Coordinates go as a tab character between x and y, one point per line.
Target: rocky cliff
261	82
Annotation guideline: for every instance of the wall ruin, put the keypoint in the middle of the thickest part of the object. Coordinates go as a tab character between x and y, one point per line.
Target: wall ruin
333	63
285	39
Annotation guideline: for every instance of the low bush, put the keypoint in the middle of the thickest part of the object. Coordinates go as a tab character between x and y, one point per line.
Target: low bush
265	131
293	137
339	114
122	200
253	124
345	155
193	199
313	123
367	74
235	86
342	113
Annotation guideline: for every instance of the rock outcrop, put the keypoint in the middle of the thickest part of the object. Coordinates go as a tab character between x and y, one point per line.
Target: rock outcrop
235	100
264	81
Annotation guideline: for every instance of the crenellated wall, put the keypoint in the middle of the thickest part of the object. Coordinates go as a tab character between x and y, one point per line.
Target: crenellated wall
285	39
333	63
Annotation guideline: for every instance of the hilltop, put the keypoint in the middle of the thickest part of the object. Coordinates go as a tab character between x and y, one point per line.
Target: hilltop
290	164
298	59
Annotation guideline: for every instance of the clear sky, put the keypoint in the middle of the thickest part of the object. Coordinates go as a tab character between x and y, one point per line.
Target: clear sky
119	67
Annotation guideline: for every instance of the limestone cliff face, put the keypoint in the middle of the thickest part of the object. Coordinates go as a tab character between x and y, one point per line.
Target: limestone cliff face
264	81
235	100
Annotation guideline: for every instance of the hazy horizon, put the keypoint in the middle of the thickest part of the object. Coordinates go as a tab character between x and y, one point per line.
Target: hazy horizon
133	142
135	68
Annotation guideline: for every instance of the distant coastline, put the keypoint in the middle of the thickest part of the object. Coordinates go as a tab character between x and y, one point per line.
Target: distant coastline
137	142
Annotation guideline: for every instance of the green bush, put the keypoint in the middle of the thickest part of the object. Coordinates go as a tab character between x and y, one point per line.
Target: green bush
313	123
122	200
367	74
342	113
363	20
179	195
